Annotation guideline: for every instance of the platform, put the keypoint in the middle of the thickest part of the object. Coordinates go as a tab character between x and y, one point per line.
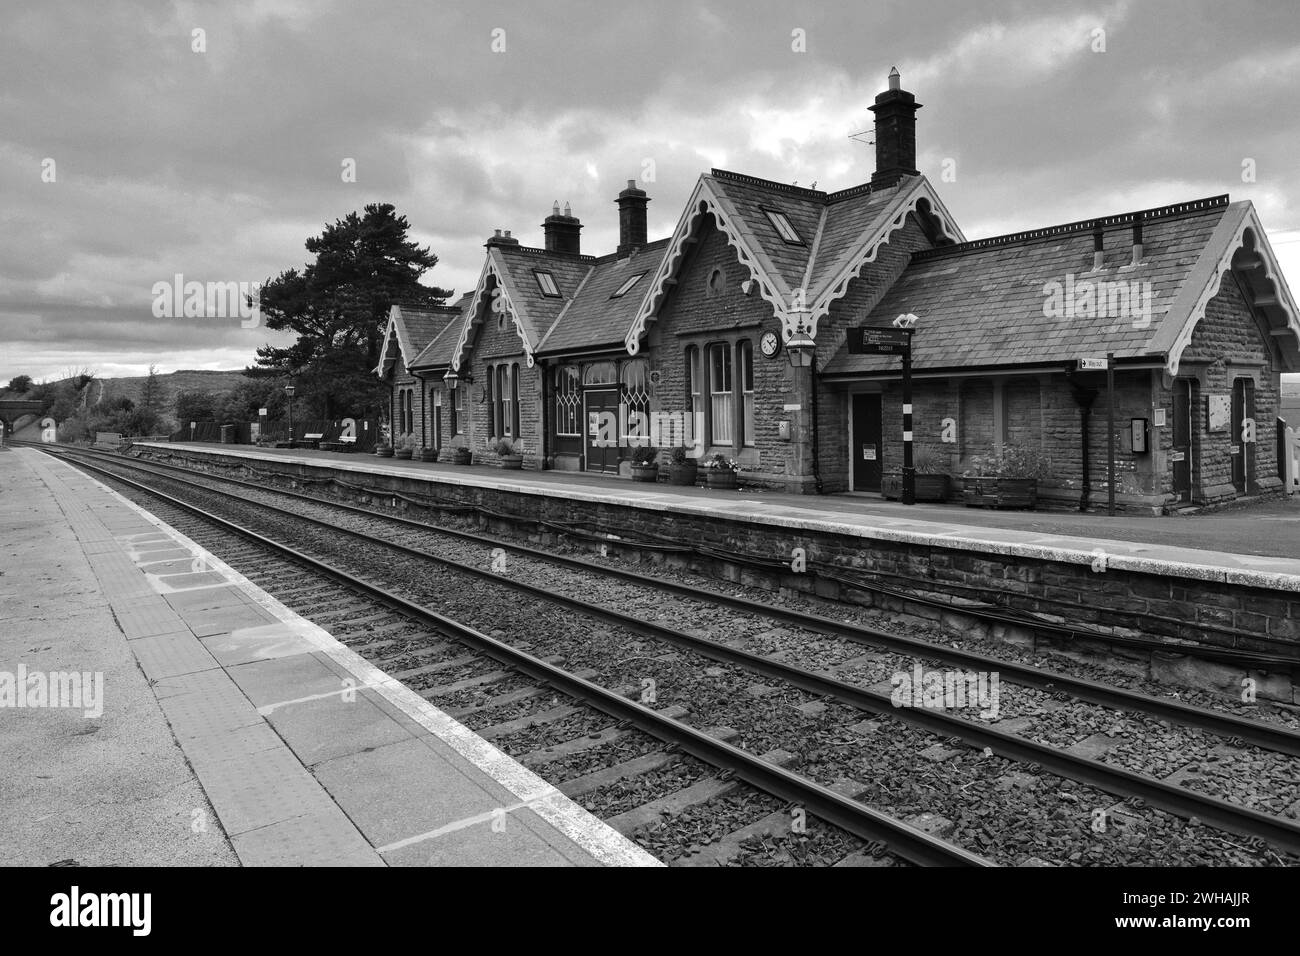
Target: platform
230	730
1259	547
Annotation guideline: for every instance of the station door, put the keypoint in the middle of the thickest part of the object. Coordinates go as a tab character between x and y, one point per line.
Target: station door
600	401
866	445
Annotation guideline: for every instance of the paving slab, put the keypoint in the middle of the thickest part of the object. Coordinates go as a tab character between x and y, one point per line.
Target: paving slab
295	750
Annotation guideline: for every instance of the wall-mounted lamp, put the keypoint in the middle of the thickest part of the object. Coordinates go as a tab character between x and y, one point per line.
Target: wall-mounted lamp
800	349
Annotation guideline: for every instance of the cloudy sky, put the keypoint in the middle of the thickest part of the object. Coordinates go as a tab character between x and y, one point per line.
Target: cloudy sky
217	164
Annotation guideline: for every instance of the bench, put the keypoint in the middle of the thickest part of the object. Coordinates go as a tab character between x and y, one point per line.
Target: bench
312	439
347	443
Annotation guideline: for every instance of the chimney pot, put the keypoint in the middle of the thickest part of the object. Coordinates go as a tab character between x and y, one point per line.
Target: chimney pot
1137	240
895	111
567	212
562	231
1098	249
632	204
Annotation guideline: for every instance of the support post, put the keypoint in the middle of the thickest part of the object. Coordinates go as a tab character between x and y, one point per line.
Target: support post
909	469
1110	433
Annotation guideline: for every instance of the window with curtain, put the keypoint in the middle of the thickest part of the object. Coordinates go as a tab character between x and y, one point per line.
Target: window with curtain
568	401
458	411
745	358
504	403
514	399
721	400
694	392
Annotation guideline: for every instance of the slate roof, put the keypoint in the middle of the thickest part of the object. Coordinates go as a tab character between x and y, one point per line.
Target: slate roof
591	319
412	328
437	351
537	312
982	303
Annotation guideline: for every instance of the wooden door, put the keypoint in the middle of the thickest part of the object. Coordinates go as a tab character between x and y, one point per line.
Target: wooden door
866	444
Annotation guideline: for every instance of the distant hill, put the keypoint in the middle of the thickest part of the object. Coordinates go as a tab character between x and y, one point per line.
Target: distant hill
186	380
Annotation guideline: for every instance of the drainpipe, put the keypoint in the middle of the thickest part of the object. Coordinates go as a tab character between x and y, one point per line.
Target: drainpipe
1084	397
816	463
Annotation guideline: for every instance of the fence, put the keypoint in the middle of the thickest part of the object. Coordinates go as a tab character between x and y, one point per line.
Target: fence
364	430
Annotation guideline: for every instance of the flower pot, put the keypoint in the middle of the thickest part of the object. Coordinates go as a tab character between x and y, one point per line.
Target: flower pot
995	491
511	462
648	472
683	475
428	454
384	452
404	453
926	487
463	456
721	478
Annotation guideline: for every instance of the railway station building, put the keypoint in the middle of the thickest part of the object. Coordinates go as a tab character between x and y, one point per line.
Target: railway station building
731	337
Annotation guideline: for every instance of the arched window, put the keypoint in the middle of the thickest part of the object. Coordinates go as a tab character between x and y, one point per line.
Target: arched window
600	373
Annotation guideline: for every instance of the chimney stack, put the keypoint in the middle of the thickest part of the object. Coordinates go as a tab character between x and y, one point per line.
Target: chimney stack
1098	249
500	239
562	231
631	218
1137	240
895	111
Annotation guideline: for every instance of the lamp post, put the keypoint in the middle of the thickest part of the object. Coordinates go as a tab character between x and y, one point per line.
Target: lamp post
288	391
907	322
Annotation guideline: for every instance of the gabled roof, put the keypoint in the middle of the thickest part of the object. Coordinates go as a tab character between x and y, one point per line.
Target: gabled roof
410	329
592	318
509	282
1020	299
840	232
437	353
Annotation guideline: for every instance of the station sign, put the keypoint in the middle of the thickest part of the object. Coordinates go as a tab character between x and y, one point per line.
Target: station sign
875	341
1092	365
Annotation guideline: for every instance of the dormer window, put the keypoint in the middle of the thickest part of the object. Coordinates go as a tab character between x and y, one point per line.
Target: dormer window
546	282
784	228
627	286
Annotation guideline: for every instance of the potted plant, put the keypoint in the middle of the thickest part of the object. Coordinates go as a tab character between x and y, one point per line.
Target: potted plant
645	464
682	470
932	483
462	455
404	448
508	457
720	472
384	451
428	454
1007	478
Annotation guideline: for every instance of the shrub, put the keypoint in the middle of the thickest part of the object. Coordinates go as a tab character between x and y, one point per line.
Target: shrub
679	456
503	447
645	455
1011	461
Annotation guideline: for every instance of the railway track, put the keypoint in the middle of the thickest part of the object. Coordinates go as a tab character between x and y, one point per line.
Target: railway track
825	687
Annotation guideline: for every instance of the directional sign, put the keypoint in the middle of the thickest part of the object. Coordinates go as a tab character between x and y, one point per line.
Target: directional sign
1092	365
874	341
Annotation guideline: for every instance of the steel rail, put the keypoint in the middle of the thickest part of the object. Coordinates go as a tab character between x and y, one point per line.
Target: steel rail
1116	780
862	821
1270	736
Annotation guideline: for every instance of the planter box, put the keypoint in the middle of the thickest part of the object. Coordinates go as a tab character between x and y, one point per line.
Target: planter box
428	454
724	479
928	487
384	452
404	453
648	472
462	456
511	462
683	475
993	492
